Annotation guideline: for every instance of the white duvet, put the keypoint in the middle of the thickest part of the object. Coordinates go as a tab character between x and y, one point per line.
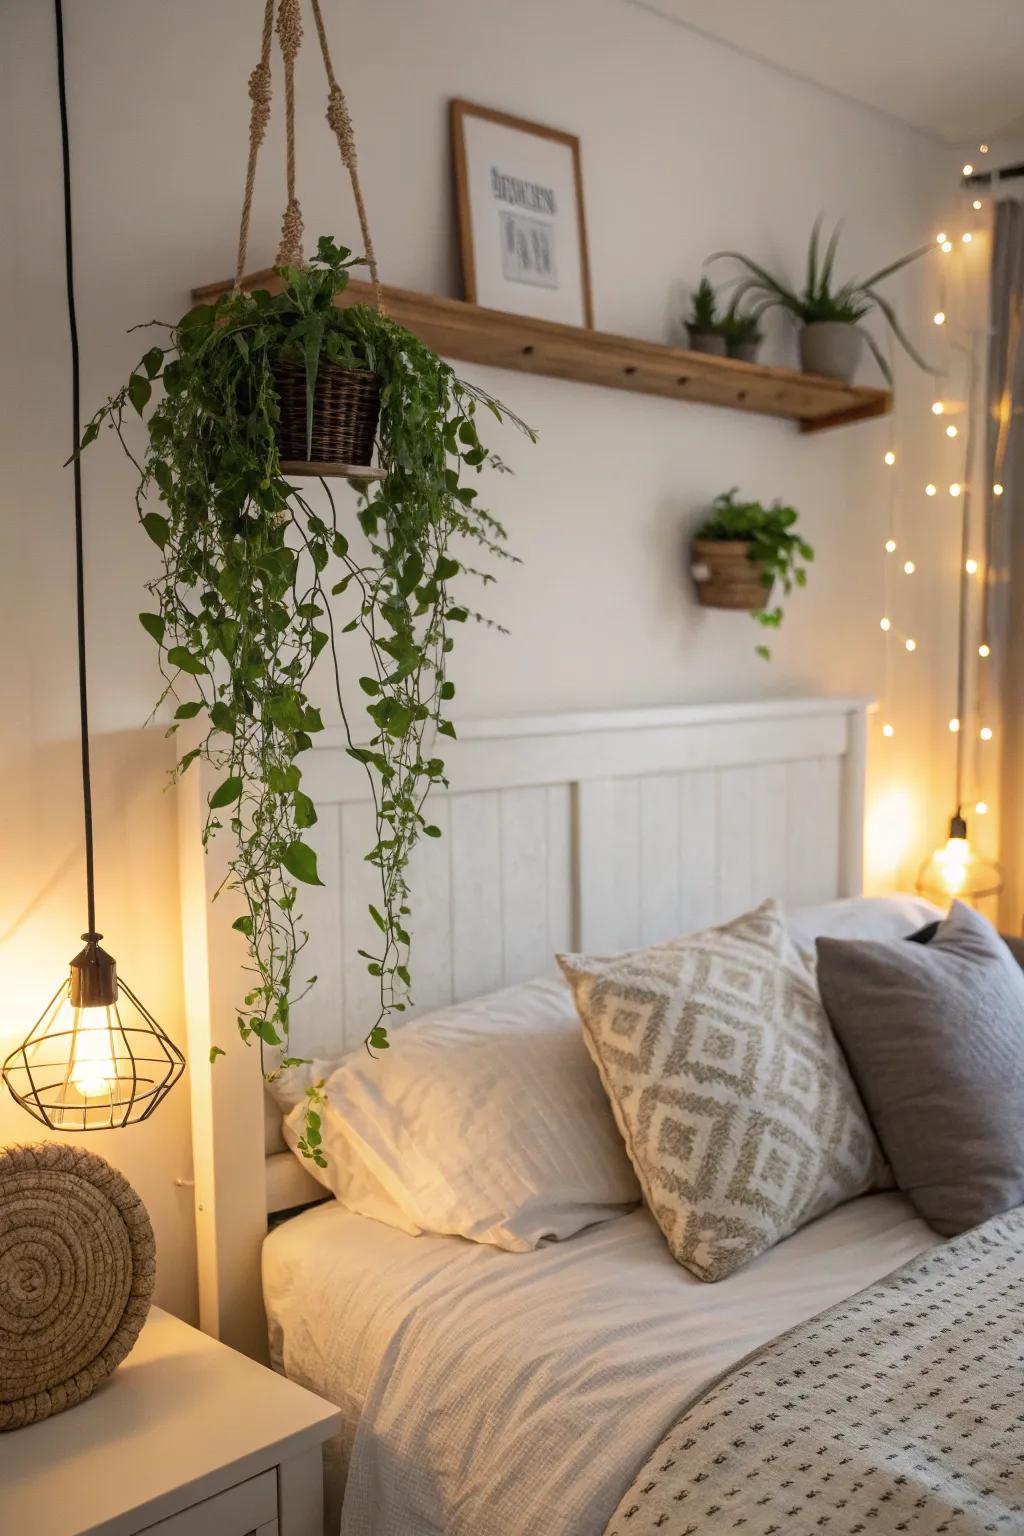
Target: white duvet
486	1393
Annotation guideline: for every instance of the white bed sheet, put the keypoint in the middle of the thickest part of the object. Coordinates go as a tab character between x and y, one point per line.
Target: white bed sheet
486	1393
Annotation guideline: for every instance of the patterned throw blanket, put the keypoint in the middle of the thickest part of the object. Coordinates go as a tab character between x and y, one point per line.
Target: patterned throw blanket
900	1410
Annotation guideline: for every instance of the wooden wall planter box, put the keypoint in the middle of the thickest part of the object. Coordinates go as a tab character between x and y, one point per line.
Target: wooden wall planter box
464	331
725	575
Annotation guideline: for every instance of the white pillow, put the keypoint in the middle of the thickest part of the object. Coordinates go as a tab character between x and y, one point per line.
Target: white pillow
486	1119
859	917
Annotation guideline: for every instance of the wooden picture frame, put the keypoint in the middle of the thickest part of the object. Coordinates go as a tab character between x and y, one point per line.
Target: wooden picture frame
522	224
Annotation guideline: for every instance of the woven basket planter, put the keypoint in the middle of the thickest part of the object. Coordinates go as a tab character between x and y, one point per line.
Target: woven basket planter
346	407
726	576
77	1265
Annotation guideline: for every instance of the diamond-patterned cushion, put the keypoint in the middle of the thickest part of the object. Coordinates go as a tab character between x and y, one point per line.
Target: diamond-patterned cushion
731	1094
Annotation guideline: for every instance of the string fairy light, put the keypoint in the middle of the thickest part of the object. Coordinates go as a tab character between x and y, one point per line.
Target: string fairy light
947	401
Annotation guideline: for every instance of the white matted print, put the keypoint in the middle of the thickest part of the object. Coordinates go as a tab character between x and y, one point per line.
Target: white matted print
521	224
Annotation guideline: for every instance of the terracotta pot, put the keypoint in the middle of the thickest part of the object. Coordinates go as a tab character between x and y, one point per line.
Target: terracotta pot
726	576
832	348
707	341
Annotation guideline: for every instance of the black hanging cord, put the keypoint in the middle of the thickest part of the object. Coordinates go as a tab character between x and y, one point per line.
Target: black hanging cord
76	432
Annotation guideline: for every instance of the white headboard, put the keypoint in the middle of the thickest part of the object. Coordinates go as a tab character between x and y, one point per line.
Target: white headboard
591	831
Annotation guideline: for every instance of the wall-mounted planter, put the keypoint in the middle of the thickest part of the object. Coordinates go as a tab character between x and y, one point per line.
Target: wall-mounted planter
726	576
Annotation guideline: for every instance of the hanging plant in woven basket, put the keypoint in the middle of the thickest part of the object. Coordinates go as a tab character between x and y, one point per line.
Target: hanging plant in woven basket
259	389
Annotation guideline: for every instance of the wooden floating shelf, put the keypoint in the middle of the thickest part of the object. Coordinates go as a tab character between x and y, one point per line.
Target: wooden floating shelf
455	329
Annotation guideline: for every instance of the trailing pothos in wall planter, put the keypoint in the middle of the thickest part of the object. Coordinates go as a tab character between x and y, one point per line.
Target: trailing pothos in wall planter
742	550
243	604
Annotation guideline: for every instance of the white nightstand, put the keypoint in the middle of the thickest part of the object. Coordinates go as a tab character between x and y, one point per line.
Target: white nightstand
186	1438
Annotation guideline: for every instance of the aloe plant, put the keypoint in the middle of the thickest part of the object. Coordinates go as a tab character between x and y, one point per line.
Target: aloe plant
819	299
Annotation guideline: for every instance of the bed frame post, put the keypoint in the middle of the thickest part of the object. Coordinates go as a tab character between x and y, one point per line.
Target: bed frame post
851	801
227	1094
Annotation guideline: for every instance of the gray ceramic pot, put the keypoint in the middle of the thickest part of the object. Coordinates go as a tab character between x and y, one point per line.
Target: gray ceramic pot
745	351
707	341
832	348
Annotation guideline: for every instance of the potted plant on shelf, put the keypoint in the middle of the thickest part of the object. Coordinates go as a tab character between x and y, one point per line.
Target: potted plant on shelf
831	332
742	332
703	324
742	550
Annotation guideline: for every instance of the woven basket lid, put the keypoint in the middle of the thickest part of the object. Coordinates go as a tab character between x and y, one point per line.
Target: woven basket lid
77	1265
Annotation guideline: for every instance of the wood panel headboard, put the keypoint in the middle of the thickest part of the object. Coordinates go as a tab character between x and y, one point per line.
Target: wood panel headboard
592	831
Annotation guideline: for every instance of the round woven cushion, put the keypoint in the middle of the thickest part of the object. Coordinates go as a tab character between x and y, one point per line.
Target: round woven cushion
77	1265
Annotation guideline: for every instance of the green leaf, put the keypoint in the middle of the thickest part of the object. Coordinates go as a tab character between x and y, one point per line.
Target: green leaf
226	793
215	1051
158	528
378	1038
179	657
139	391
243	925
153	361
154	625
188	710
305	810
431	831
300	861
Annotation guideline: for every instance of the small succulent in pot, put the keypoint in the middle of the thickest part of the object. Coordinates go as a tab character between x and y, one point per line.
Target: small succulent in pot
742	550
831	333
742	332
703	324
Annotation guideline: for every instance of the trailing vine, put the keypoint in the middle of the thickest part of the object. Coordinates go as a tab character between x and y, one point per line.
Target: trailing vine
243	603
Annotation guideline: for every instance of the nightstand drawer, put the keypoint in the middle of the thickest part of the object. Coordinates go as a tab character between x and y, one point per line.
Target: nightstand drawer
248	1509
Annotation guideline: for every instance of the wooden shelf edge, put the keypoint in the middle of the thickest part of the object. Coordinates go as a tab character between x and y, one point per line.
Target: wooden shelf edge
497	339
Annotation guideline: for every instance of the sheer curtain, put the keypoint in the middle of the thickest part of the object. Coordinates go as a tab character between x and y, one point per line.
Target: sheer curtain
1003	683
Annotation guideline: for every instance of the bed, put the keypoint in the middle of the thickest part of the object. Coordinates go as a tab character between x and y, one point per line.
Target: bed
485	1393
485	1390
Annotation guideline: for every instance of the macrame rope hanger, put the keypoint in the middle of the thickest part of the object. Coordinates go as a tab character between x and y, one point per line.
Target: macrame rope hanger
289	36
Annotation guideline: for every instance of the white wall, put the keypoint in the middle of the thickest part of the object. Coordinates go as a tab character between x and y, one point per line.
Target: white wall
687	147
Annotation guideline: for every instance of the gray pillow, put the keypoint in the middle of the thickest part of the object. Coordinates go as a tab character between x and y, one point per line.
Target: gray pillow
934	1035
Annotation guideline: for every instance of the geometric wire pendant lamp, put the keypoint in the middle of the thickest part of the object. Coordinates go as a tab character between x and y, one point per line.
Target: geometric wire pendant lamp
96	1058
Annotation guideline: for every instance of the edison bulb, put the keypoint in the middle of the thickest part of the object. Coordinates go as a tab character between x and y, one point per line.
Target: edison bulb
890	457
970	566
887	730
967	237
911	645
976	204
997	489
954	725
890	546
947	246
955	488
968	169
93	1070
909	567
984	650
940	237
885	625
982	149
938	409
939	317
985	733
982	808
930	490
952	431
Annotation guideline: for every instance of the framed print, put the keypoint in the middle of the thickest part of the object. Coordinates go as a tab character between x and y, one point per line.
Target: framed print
519	188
